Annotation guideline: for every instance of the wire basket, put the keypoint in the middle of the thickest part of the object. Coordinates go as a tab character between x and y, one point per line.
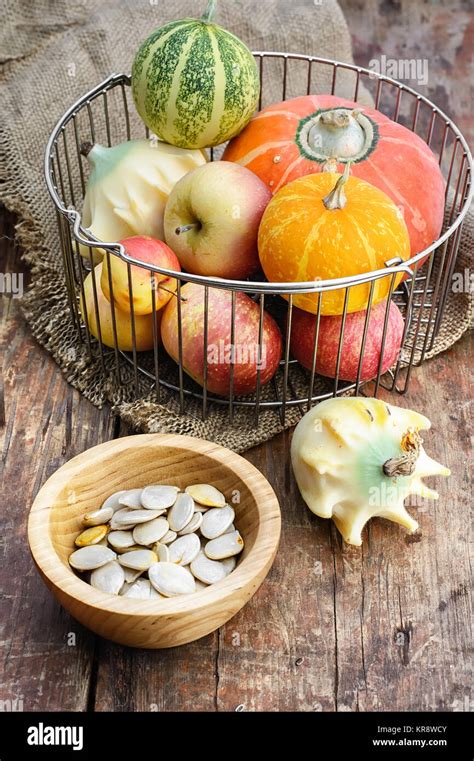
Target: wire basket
105	115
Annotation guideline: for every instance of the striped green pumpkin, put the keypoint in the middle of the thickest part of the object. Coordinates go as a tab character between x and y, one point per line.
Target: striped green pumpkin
194	83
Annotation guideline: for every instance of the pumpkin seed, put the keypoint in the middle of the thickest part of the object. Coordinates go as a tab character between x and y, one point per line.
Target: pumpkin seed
157	497
113	501
169	537
135	516
117	522
92	535
97	517
229	564
206	495
162	551
206	570
147	540
181	512
224	546
151	531
193	525
132	548
139	560
126	586
141	590
216	521
93	556
131	574
170	579
108	578
185	549
131	498
121	540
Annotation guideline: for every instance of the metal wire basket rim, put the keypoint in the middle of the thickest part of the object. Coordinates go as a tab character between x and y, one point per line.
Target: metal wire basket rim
251	286
117	249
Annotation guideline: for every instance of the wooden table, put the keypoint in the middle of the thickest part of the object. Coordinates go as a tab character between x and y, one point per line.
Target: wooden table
383	627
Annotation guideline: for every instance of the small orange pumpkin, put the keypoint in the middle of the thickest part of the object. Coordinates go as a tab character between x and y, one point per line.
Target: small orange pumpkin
325	226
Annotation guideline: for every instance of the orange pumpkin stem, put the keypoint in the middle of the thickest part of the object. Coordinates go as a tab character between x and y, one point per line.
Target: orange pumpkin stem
336	199
330	165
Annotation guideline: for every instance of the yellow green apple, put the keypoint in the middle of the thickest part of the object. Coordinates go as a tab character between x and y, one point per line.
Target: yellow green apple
212	218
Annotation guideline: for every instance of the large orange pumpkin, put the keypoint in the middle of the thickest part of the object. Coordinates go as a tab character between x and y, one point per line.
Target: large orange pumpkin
326	226
299	136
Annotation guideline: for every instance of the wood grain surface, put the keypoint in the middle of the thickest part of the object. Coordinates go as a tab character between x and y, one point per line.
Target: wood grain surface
386	626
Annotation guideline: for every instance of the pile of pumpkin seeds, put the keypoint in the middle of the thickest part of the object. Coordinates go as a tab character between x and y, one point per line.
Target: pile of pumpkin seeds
158	541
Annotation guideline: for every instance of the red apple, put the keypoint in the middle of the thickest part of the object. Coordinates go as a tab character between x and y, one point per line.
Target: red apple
303	333
212	218
245	350
150	251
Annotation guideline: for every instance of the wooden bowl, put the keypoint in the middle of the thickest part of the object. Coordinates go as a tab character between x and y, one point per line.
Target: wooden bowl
83	484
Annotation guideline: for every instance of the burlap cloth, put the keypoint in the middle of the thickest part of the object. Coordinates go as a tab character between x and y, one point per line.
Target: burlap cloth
51	53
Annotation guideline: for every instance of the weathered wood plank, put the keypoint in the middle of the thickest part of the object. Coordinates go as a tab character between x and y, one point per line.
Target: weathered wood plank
286	635
178	679
45	655
403	619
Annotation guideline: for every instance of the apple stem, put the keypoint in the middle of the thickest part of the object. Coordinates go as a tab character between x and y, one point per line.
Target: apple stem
186	228
163	288
173	293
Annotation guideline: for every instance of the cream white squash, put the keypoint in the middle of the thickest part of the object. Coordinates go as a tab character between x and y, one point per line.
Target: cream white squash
128	188
357	458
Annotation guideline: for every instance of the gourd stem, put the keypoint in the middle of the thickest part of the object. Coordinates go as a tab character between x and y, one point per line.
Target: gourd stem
341	132
187	228
85	148
405	464
210	12
400	466
336	199
338	119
